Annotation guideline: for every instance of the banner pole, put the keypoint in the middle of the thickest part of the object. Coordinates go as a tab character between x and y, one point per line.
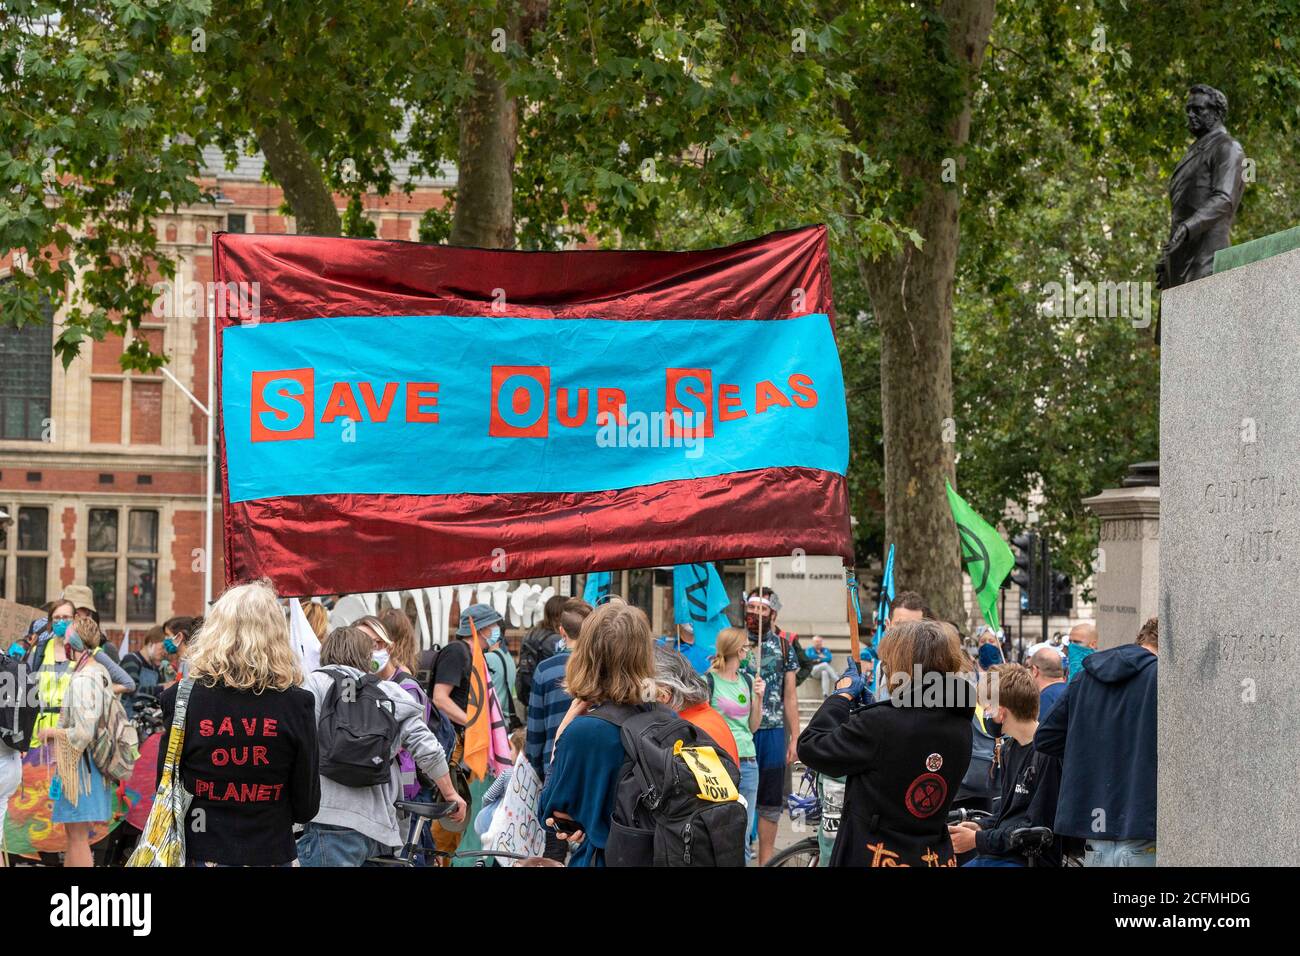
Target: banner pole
855	641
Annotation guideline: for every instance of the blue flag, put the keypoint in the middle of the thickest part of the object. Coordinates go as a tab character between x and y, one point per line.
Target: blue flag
871	651
700	600
596	590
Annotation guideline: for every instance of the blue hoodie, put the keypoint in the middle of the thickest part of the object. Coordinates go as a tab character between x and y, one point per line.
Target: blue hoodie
1104	730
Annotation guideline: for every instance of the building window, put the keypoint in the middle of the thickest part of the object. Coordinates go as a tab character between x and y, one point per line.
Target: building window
25	548
26	356
116	566
237	222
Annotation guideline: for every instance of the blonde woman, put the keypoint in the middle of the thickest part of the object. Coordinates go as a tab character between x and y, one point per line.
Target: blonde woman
249	756
904	756
739	699
613	663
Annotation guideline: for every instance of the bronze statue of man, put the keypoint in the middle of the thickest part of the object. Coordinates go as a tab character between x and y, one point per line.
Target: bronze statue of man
1204	192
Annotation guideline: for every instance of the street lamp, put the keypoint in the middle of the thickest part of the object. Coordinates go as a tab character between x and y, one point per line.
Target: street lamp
207	413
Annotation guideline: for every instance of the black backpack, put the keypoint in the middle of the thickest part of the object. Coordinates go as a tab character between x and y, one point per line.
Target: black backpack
805	663
357	733
19	702
678	797
540	644
439	722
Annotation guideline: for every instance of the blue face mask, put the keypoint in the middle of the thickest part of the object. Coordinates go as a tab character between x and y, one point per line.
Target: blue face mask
76	643
170	646
494	636
61	628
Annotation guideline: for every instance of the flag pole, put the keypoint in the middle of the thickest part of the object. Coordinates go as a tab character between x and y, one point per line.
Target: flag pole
855	641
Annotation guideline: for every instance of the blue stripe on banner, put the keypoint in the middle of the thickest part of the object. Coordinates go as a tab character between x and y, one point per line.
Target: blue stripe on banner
433	405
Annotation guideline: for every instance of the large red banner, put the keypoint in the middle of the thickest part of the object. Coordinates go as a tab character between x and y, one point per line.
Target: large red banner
364	538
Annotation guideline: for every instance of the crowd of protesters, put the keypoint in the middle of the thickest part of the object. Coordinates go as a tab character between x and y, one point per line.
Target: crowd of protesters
946	755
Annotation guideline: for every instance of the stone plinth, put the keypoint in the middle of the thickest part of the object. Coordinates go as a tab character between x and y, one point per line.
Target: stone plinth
1229	710
1127	569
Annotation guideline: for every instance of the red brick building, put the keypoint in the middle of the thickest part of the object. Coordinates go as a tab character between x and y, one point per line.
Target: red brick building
102	473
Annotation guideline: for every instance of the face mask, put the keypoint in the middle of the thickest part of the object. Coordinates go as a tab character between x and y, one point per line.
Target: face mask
379	659
61	628
76	643
170	646
494	636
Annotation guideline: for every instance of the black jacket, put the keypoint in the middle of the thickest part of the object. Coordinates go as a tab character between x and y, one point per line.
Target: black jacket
251	762
1031	784
1104	730
904	764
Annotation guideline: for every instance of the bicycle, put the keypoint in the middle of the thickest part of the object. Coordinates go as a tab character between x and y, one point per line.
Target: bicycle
806	806
1029	842
421	814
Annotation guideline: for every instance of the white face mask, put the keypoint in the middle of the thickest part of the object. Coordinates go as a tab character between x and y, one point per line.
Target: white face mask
379	659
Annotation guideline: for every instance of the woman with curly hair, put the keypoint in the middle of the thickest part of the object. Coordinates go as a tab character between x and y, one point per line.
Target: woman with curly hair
249	756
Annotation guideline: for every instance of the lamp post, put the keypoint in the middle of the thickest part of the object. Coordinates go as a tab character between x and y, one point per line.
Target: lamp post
207	413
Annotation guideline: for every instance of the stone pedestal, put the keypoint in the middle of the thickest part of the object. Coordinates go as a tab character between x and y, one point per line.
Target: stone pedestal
1127	569
1229	714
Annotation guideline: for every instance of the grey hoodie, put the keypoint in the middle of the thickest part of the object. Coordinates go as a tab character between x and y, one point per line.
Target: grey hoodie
370	810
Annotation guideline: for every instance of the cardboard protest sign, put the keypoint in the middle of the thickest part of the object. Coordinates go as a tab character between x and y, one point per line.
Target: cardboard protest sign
15	619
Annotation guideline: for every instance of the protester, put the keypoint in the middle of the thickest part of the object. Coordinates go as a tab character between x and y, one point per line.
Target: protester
979	787
501	671
1030	781
776	739
821	655
395	654
496	793
540	644
683	691
11	776
909	606
83	600
318	619
1048	669
249	753
355	823
550	702
1103	729
93	637
178	634
50	658
455	663
684	644
145	667
990	651
76	692
903	757
739	699
613	663
1083	642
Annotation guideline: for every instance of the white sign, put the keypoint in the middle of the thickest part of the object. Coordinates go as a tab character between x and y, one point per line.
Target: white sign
515	827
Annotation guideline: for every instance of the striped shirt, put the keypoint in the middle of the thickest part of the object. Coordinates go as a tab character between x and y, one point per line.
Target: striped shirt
547	705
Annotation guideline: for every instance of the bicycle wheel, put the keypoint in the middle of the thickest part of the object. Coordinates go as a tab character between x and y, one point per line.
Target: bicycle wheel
805	853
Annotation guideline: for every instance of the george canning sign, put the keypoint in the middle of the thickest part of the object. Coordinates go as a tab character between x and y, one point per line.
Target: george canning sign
397	415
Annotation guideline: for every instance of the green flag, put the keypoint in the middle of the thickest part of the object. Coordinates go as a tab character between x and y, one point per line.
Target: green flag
985	555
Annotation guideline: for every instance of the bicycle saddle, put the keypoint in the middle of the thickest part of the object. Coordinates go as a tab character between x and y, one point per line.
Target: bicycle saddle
1031	837
430	811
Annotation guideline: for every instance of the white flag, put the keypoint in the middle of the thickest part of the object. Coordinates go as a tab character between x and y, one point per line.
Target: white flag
306	646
